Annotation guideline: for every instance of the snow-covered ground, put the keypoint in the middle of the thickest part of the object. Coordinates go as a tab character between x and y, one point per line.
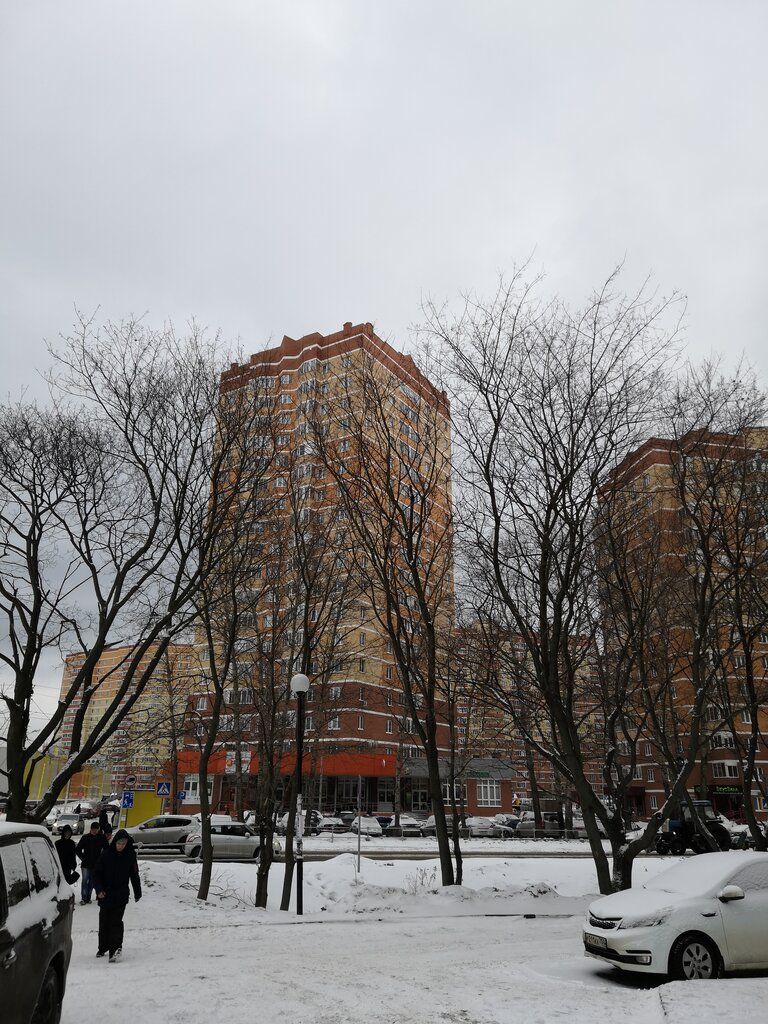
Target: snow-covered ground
386	945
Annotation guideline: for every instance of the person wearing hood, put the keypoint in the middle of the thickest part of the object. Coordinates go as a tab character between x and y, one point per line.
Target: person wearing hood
65	848
116	869
89	850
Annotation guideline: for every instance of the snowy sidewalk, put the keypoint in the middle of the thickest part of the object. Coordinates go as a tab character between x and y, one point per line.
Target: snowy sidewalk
389	948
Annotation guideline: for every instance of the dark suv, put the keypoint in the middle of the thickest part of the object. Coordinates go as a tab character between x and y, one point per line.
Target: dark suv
35	926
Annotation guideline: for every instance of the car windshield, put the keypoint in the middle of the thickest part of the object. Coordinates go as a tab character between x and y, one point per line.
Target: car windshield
693	876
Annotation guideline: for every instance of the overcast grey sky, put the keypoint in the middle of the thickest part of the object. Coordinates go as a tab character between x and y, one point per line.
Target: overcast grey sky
281	167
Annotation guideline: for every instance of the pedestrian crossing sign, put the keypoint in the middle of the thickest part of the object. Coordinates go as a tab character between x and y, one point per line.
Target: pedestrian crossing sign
163	789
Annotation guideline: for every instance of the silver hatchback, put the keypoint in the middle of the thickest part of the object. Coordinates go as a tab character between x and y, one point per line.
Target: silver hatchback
166	830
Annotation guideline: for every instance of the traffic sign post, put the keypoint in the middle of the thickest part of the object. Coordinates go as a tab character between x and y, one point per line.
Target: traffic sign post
127	801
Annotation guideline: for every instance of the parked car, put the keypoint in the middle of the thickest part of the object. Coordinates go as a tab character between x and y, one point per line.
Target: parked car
506	824
165	830
692	921
526	828
408	827
36	906
281	826
75	821
428	827
365	826
231	840
331	824
481	827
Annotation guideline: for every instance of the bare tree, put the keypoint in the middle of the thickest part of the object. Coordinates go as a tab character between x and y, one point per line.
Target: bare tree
106	527
546	403
387	450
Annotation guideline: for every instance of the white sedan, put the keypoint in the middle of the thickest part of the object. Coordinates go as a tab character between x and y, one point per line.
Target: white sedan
230	841
365	826
703	916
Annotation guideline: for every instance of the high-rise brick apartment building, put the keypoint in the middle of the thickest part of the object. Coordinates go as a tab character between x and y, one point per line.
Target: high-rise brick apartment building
699	505
142	743
313	606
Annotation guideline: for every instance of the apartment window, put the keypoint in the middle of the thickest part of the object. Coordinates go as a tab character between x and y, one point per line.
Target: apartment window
192	789
333	723
637	772
651	775
363	613
362	639
360	723
654	802
361	691
286	399
285	378
202	703
284	419
311	693
308	723
459	792
746	716
390	648
280	481
739	661
647	749
335	693
488	793
389	698
389	727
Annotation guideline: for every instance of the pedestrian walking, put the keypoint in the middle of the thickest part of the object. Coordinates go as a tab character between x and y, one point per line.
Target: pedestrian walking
66	850
104	819
115	870
89	850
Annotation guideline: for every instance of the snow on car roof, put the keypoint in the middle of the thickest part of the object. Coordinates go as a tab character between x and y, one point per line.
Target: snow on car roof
698	874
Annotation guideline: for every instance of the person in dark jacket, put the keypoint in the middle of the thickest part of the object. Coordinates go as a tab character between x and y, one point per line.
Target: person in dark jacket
104	819
89	850
115	869
67	855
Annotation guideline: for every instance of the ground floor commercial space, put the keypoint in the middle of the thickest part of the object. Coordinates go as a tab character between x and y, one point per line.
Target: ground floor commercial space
339	782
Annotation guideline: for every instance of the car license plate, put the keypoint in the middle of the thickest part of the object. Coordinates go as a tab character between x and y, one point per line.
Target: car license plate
598	941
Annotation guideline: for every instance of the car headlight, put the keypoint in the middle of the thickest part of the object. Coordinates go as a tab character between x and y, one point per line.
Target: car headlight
194	838
646	920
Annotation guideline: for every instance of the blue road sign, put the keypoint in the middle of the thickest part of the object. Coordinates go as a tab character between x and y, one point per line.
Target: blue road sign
127	801
181	796
163	789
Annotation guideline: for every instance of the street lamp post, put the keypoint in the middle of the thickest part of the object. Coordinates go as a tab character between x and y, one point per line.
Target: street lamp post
299	686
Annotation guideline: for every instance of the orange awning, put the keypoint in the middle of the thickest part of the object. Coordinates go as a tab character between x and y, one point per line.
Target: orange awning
348	763
363	763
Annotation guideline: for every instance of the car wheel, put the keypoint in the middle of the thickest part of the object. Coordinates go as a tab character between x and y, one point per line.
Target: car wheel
194	853
48	1007
677	847
694	957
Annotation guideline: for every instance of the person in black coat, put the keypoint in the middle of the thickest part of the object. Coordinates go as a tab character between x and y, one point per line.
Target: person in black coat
67	855
89	850
115	870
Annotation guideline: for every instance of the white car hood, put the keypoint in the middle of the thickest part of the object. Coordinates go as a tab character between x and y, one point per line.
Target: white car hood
635	902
